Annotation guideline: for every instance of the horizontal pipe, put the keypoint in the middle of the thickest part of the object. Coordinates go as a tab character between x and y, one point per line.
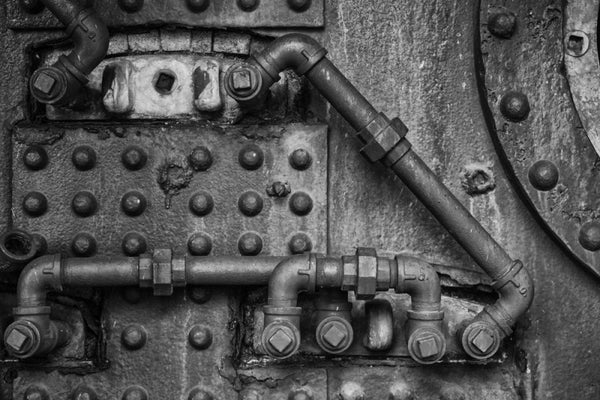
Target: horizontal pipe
100	272
228	270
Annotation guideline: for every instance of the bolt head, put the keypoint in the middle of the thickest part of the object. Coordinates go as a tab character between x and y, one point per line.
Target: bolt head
17	340
543	175
427	346
480	340
44	83
36	392
514	106
84	393
483	340
200	337
334	335
280	341
241	80
133	337
502	24
589	236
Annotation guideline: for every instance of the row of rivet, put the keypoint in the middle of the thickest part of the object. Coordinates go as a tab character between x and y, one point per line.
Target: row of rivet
84	158
134	337
133	204
134	392
199	244
514	106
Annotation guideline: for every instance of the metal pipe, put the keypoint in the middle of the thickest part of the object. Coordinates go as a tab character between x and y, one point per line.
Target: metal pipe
61	83
385	142
230	270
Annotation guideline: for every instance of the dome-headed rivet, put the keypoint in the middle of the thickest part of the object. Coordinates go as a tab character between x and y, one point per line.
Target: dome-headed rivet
35	204
300	159
133	244
200	244
83	245
589	236
35	158
301	203
248	5
133	337
84	204
251	157
84	158
543	175
200	337
133	203
135	393
131	6
502	24
134	158
300	243
201	203
514	106
200	159
250	244
250	203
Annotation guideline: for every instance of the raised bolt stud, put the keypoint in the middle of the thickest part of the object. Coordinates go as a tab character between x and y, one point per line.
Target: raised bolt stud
401	391
133	244
334	335
200	159
243	82
134	158
133	203
248	5
35	158
200	337
250	203
200	394
502	24
35	204
250	244
133	337
300	159
543	175
589	236
251	157
84	393
83	245
300	243
301	204
200	244
131	6
514	106
201	204
352	391
197	6
135	393
199	294
84	158
84	204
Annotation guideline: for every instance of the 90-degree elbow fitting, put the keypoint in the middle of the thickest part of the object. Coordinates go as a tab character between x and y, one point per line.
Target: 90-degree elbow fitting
281	334
60	83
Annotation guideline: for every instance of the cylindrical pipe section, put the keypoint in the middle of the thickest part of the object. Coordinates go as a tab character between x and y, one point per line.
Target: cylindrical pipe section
100	272
380	325
230	270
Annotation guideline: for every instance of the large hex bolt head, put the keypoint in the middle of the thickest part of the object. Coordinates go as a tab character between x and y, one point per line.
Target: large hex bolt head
84	393
334	334
281	339
426	345
135	393
22	339
480	340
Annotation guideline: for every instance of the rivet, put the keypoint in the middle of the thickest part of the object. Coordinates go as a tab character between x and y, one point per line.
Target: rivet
199	294
300	243
131	6
200	337
200	394
200	159
84	158
84	204
301	203
251	157
135	393
32	6
133	244
352	391
300	159
250	203
84	393
514	106
250	244
35	158
132	294
502	24
401	391
36	392
83	245
248	5
133	337
201	203
133	203
134	158
200	244
300	394
589	236
543	175
35	204
299	5
197	6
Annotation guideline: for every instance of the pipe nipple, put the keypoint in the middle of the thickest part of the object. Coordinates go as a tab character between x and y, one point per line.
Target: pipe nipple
480	340
281	339
427	345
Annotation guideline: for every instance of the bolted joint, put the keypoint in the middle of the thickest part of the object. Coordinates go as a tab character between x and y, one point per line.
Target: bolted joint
281	336
381	136
366	285
33	334
244	83
162	277
426	345
480	340
334	334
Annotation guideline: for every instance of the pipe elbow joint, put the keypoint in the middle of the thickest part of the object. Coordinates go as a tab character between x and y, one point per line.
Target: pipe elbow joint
60	83
481	337
39	276
420	280
281	334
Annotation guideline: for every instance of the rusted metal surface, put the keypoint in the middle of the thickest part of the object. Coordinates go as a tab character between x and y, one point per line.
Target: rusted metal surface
540	136
219	14
164	200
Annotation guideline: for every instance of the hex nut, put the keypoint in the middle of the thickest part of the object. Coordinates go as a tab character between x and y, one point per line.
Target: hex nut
350	273
367	273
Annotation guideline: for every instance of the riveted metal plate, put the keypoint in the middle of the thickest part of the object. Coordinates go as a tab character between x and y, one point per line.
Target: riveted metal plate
564	189
167	182
182	367
219	14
